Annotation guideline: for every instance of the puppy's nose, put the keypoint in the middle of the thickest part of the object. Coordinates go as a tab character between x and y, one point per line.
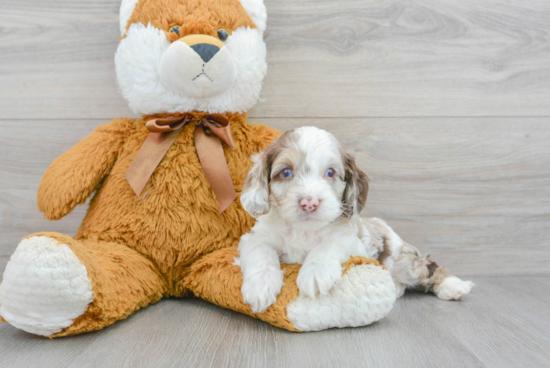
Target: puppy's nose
309	204
206	51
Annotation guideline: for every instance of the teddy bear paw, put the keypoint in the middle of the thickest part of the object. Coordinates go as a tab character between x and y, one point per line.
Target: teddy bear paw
45	287
365	294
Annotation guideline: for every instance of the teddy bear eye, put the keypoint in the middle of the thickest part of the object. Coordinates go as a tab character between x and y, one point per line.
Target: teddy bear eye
223	34
330	173
175	29
286	173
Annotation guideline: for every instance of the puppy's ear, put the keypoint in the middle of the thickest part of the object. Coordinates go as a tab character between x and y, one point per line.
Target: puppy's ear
255	194
357	187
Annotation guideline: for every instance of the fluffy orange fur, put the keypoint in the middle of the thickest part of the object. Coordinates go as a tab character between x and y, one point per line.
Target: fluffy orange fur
193	16
137	249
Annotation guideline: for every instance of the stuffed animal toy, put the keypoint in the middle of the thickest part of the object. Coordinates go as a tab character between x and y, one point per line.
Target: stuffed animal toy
165	217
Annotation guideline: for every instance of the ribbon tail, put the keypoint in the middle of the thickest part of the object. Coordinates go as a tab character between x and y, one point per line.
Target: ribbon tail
210	151
224	133
148	158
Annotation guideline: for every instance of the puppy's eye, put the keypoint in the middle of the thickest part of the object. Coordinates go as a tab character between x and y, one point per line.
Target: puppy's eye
330	173
175	29
286	173
223	34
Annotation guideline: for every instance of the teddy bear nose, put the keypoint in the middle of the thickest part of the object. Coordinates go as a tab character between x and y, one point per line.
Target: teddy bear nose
206	51
309	204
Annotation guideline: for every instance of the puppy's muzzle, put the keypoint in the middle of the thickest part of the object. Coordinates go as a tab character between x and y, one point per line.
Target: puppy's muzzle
205	46
309	204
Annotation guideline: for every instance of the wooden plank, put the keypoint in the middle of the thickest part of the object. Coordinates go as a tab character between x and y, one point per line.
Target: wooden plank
515	311
347	58
472	192
421	331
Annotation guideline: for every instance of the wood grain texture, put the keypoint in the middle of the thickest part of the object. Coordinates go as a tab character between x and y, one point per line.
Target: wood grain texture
346	58
472	192
421	331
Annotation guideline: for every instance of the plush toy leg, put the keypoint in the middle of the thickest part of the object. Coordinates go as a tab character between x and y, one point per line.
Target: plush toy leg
365	294
57	286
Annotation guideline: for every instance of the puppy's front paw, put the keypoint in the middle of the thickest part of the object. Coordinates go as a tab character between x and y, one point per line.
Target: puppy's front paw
453	288
317	278
261	290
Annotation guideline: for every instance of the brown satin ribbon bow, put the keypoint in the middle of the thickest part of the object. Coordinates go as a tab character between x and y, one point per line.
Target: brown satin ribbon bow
210	131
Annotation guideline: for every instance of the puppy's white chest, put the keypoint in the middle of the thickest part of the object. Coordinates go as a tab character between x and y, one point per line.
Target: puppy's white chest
295	245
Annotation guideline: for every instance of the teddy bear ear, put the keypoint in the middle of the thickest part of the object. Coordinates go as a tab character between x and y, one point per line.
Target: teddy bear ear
126	10
257	11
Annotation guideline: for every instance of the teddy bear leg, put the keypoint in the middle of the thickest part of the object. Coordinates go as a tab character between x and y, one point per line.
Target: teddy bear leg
57	286
365	294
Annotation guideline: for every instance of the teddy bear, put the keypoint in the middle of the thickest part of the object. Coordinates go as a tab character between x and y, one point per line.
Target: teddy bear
165	217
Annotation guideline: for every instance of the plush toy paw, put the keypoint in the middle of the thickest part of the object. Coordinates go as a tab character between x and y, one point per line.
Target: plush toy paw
318	278
261	290
365	294
45	287
453	288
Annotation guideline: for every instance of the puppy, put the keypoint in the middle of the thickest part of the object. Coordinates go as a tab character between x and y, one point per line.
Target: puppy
306	193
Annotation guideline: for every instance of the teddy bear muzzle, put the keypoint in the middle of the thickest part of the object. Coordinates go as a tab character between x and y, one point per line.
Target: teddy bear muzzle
198	65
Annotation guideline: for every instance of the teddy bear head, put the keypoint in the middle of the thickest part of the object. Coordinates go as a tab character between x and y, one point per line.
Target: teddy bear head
191	55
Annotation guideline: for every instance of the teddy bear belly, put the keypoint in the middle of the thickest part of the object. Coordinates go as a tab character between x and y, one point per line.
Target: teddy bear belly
174	222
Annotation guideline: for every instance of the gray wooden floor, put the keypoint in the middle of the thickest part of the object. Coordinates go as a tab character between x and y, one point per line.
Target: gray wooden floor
446	105
504	323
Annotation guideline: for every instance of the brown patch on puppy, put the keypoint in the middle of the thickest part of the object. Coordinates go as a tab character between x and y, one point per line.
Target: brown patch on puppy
286	155
379	234
259	178
385	252
357	187
261	171
193	16
376	232
440	274
273	151
432	266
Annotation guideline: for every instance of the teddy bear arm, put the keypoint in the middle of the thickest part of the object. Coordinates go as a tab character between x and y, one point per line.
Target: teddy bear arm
74	175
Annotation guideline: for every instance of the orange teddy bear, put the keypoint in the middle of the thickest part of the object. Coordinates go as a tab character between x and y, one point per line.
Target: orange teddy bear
165	218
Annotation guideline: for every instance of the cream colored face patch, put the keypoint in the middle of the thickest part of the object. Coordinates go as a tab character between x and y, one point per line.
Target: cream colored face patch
198	66
197	39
